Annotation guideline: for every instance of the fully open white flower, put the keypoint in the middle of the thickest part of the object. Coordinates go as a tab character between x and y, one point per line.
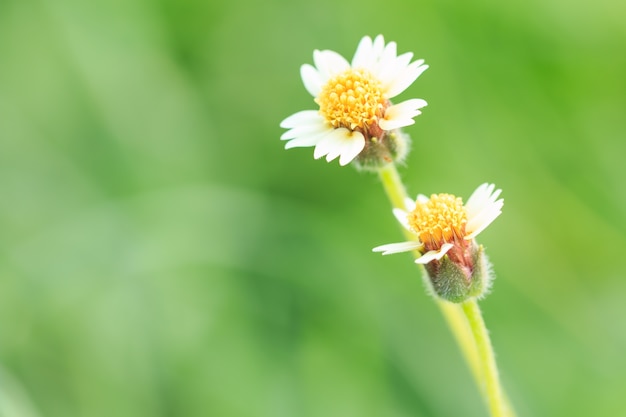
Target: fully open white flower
442	225
353	99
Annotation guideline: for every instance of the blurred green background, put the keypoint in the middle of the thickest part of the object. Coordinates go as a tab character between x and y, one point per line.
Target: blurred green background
162	255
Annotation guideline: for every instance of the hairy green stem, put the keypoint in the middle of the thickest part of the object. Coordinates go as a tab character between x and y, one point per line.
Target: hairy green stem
494	394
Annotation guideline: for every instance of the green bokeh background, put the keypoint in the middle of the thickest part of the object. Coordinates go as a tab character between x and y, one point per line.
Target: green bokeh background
162	255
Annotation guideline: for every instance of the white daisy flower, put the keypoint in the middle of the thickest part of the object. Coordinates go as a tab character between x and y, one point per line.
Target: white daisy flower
353	98
443	225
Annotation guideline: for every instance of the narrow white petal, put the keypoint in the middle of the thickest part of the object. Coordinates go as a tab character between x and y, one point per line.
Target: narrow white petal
390	52
487	210
304	142
378	46
407	107
397	66
479	193
402	61
363	53
409	204
434	254
331	144
352	149
482	208
371	60
402	217
402	114
477	224
392	248
309	130
329	63
479	198
302	118
404	79
346	144
395	123
336	150
340	142
421	198
386	60
311	78
323	147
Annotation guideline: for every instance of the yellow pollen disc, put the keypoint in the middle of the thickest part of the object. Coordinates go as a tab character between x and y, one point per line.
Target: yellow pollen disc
353	99
439	220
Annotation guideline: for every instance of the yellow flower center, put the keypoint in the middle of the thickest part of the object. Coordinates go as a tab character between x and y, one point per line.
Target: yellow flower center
439	220
353	99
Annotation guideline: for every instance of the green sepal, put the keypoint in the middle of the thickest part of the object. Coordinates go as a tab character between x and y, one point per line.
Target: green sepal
378	152
456	283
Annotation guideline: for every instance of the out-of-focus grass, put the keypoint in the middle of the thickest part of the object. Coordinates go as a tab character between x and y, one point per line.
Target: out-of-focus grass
161	254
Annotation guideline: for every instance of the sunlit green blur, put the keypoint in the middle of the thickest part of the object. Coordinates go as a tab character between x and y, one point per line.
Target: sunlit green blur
161	254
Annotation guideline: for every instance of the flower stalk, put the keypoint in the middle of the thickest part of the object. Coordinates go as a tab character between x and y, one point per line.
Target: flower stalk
492	389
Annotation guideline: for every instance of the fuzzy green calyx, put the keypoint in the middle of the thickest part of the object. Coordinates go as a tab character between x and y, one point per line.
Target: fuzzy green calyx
390	147
457	282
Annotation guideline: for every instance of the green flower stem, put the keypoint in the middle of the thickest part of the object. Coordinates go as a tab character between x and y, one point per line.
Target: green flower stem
460	328
453	313
393	185
498	405
465	321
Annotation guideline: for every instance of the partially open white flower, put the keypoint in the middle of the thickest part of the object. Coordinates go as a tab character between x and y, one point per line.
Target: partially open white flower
353	98
443	225
444	229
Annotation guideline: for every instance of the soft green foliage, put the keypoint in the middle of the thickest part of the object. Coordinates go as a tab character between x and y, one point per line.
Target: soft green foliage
162	255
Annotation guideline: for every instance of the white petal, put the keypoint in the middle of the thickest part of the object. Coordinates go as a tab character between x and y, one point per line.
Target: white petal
402	61
306	141
309	130
345	144
479	213
363	53
323	147
378	46
329	63
409	204
392	248
352	149
331	144
404	79
302	118
338	147
434	254
407	107
421	198
482	208
312	79
402	114
397	66
390	52
478	199
395	123
402	217
478	223
371	60
387	60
